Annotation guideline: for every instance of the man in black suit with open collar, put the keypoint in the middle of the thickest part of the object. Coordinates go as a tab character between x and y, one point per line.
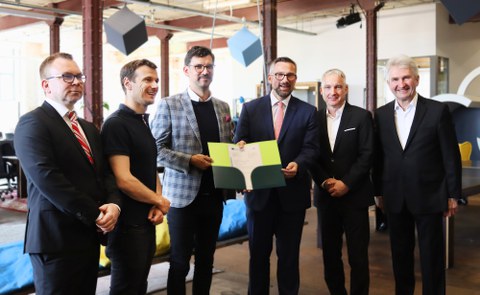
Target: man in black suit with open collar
417	176
70	199
342	175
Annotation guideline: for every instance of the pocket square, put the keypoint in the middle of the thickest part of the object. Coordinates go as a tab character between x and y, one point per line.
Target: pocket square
349	129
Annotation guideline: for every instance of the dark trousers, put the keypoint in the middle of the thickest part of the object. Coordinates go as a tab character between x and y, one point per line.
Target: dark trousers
194	227
337	219
130	249
287	227
431	244
66	273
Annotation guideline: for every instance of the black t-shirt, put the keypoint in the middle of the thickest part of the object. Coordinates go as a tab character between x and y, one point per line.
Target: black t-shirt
209	132
127	133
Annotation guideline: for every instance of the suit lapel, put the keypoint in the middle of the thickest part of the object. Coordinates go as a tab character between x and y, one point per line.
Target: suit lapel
346	116
190	114
68	133
419	115
265	107
221	120
390	124
324	131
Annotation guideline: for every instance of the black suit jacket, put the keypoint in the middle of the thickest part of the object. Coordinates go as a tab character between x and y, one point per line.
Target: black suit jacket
64	189
297	142
351	159
428	171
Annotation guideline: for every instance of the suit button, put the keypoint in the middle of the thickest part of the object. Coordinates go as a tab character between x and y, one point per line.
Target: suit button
332	160
79	215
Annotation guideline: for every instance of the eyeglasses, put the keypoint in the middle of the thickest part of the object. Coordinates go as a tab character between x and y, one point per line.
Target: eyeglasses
69	78
200	68
280	76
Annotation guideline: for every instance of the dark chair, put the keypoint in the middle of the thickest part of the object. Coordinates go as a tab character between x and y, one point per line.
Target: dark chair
8	170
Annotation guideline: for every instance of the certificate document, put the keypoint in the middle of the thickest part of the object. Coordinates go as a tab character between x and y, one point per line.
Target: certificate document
246	159
255	166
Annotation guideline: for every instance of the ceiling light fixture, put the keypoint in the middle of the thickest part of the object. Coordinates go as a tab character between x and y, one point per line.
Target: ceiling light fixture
217	4
345	21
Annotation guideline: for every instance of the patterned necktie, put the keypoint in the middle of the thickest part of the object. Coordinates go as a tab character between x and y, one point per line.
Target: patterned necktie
278	119
81	139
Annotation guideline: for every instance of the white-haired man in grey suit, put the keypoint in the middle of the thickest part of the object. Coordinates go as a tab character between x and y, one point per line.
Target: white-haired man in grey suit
182	126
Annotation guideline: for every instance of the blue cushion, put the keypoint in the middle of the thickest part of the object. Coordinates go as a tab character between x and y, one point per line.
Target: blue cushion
15	268
234	222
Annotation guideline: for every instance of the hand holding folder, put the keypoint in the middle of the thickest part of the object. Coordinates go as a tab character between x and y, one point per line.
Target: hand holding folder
255	166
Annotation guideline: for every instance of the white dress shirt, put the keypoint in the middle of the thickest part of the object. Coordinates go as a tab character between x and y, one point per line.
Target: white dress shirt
333	123
404	119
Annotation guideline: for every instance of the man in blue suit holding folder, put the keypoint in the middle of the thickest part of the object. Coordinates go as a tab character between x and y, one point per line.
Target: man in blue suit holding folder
279	212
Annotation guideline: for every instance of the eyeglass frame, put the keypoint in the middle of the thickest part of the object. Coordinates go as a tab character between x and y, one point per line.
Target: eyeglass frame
80	78
288	75
199	68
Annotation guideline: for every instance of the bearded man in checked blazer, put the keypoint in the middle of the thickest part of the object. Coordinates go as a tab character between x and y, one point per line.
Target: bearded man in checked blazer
182	126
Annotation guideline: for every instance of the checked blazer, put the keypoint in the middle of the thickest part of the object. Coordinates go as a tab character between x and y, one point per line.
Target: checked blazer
177	134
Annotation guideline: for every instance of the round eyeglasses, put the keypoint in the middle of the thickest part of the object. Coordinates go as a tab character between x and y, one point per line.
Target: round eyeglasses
69	78
280	76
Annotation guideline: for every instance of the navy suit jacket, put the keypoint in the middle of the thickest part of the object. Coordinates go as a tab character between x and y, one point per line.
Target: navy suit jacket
297	142
352	157
428	171
64	189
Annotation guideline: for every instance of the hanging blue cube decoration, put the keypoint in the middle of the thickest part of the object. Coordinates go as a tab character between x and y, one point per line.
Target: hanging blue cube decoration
245	47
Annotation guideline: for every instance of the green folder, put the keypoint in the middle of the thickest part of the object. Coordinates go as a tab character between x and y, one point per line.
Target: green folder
266	164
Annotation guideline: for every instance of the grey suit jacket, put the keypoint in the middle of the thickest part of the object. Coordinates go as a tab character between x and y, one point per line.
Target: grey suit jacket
176	131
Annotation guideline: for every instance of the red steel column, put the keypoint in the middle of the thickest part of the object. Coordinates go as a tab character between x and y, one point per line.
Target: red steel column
92	11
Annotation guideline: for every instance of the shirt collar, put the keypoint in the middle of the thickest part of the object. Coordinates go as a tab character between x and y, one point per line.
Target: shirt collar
338	113
60	108
195	97
412	104
131	112
274	100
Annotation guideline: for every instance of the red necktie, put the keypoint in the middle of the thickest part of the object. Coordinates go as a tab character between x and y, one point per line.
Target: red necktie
278	119
82	140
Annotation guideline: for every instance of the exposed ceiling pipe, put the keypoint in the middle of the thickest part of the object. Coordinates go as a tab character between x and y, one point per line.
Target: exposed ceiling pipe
26	13
46	16
50	9
218	16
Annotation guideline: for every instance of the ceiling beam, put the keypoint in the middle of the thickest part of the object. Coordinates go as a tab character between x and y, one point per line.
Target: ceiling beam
194	23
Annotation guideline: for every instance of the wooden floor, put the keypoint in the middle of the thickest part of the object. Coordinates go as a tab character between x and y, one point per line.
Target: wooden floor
462	279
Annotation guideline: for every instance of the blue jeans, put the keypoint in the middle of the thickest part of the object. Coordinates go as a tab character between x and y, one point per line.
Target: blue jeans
130	249
193	227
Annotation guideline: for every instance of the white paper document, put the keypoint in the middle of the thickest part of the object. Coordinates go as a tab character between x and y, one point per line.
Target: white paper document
246	159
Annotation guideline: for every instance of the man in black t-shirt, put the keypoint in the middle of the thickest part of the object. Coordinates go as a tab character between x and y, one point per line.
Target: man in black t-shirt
131	151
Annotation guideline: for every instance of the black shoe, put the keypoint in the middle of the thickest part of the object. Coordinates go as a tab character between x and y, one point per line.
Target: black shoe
382	226
462	201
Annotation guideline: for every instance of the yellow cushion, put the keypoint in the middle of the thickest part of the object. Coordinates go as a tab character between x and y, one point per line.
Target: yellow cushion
465	150
163	243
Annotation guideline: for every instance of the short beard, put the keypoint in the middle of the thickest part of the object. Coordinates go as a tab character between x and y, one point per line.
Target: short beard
283	95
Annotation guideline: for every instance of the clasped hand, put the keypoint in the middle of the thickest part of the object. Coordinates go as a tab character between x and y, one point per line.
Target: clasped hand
108	217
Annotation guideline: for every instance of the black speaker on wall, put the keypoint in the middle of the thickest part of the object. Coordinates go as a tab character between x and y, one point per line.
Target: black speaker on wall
126	31
462	10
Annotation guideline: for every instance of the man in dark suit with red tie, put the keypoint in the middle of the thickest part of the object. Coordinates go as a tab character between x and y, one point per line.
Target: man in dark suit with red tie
345	192
279	212
417	176
71	201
